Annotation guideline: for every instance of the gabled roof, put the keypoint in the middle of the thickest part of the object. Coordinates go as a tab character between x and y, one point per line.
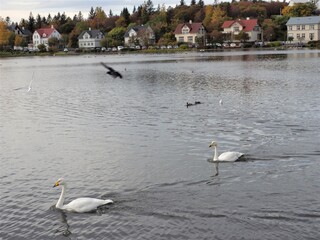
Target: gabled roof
92	33
194	27
303	20
138	29
247	24
46	31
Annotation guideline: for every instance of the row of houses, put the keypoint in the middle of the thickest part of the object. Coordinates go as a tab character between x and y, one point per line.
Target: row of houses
299	29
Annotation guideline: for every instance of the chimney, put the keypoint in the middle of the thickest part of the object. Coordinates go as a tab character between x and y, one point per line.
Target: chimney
89	28
248	18
51	26
190	21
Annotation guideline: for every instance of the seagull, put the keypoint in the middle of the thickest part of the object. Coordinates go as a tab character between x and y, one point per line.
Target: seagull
111	71
29	87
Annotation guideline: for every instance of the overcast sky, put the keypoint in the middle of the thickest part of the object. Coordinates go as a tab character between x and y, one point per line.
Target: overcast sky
17	9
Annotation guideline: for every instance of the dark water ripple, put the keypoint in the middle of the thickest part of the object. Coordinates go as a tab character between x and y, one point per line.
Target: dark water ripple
133	140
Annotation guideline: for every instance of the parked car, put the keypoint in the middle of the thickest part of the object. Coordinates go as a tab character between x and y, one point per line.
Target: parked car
233	45
120	48
66	50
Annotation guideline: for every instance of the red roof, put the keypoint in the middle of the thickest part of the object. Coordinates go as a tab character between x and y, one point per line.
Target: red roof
194	27
247	25
46	31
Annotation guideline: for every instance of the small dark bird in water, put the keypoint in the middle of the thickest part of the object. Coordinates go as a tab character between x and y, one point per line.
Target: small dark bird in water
111	71
189	104
197	102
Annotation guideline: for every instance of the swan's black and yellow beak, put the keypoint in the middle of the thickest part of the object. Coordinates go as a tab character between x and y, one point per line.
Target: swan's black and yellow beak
56	184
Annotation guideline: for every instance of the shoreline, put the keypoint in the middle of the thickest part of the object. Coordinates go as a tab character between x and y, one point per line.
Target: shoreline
13	54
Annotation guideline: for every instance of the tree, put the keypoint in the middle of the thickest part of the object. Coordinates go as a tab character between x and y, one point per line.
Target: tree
38	22
242	36
200	3
182	3
4	34
91	14
149	7
126	15
300	10
19	41
42	48
115	36
193	2
31	23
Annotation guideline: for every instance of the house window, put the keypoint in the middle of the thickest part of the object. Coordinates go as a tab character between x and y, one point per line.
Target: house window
290	28
185	30
303	35
311	27
311	36
298	27
181	39
236	29
303	27
298	36
190	39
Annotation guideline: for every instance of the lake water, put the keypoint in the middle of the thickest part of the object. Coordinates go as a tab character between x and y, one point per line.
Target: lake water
134	140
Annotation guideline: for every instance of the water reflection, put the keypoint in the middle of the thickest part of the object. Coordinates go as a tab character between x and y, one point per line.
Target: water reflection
63	229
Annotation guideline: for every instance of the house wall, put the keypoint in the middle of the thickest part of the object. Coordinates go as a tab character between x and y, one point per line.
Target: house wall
88	42
236	28
304	32
37	39
189	37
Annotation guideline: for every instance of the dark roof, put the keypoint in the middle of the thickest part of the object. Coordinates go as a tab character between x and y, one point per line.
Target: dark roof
194	27
19	30
92	33
137	29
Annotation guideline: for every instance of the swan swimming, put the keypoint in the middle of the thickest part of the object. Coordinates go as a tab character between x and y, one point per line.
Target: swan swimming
80	205
226	156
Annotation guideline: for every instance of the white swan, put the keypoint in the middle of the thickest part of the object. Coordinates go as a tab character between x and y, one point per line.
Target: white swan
79	205
226	156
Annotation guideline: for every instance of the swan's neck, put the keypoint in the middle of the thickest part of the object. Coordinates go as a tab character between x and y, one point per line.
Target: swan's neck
215	156
61	198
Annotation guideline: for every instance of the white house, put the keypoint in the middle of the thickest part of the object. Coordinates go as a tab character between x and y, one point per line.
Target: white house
41	36
142	35
249	26
90	39
190	32
303	29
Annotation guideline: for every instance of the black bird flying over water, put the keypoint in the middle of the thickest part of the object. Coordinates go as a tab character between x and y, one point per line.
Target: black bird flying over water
111	71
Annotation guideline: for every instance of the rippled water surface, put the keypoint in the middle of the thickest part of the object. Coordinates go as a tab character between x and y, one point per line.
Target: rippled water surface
134	140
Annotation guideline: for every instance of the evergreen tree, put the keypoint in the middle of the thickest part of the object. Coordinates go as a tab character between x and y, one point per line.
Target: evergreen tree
200	3
38	22
31	23
149	7
193	2
126	15
182	3
49	19
80	16
91	14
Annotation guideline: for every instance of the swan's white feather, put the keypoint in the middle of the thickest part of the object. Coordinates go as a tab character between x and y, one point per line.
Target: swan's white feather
82	205
230	156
